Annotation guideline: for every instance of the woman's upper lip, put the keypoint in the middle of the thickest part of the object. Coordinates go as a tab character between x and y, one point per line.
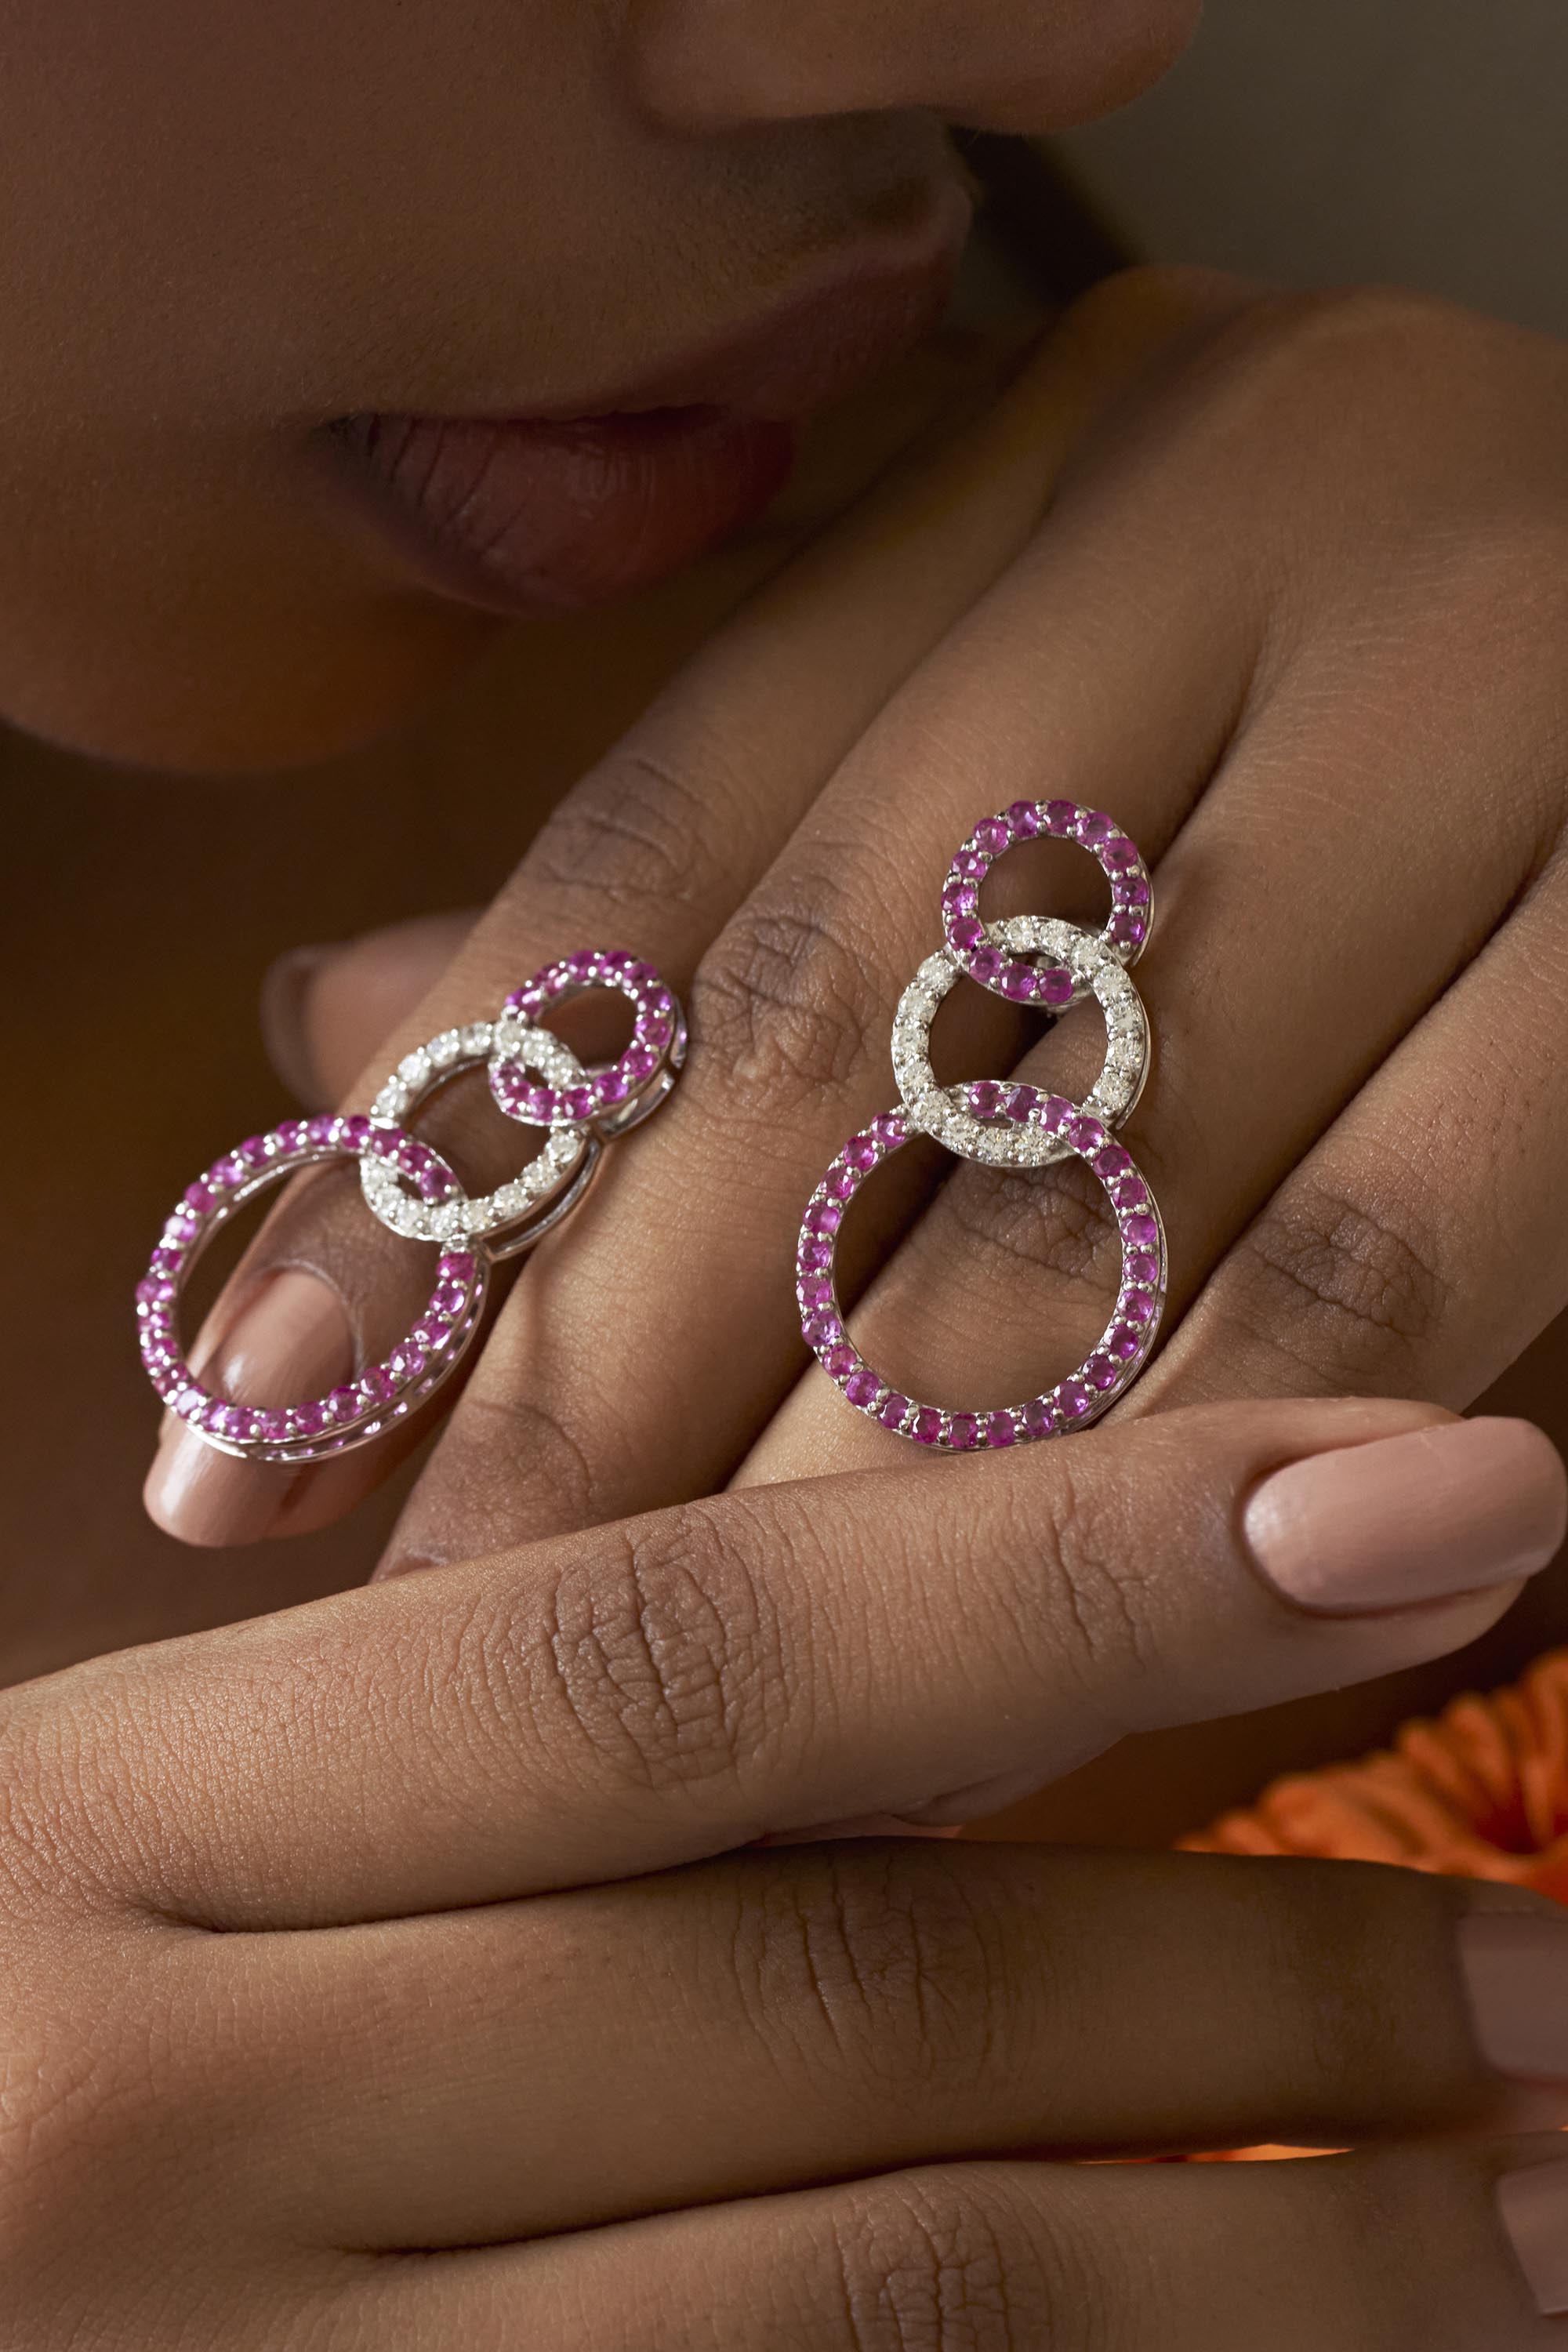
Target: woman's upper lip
820	344
811	348
588	499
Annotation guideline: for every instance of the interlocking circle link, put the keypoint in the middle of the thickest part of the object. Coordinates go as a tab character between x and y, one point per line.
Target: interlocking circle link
360	1409
949	1113
1120	1355
1028	958
415	1194
409	1201
631	1088
978	945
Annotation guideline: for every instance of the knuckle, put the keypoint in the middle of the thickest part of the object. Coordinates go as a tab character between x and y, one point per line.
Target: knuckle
507	1466
1090	1590
886	1964
663	1656
1020	1235
938	2261
786	998
636	834
1345	1287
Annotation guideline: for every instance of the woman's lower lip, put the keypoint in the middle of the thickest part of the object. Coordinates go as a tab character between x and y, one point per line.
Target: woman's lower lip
516	516
564	510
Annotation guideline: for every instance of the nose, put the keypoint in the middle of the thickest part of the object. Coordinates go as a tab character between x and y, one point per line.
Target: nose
998	65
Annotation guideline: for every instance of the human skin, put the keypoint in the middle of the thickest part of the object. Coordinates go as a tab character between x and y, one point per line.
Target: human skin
381	1974
224	230
1289	694
182	1802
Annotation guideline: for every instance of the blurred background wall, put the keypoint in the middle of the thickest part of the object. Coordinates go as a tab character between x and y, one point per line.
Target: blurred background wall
1421	141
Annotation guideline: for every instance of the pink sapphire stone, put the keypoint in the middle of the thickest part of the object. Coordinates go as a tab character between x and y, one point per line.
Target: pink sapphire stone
1001	1430
963	1430
926	1426
892	1409
863	1388
1024	817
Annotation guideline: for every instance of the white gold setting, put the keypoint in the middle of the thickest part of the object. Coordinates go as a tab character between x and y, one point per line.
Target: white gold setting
1036	961
944	1113
416	1077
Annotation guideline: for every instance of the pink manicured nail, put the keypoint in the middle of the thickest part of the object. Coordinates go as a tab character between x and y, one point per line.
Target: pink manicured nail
1437	1512
1534	2209
293	1341
1515	1967
285	989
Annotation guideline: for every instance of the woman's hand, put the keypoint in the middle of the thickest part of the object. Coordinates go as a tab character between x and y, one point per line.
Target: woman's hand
325	2028
1279	582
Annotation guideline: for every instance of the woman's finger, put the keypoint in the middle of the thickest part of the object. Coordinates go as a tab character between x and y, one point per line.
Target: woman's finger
655	1387
324	1011
783	2019
657	847
1420	1246
1450	2248
656	1691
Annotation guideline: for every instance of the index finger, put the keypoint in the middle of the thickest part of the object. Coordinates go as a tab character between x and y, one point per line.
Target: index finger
668	1687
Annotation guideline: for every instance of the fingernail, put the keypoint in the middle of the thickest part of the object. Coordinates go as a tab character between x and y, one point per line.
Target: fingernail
291	1341
1515	1966
285	987
1534	2209
1426	1515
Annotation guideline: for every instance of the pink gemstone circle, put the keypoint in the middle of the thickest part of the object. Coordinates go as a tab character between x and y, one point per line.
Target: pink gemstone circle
972	940
1112	1365
615	1099
383	1393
